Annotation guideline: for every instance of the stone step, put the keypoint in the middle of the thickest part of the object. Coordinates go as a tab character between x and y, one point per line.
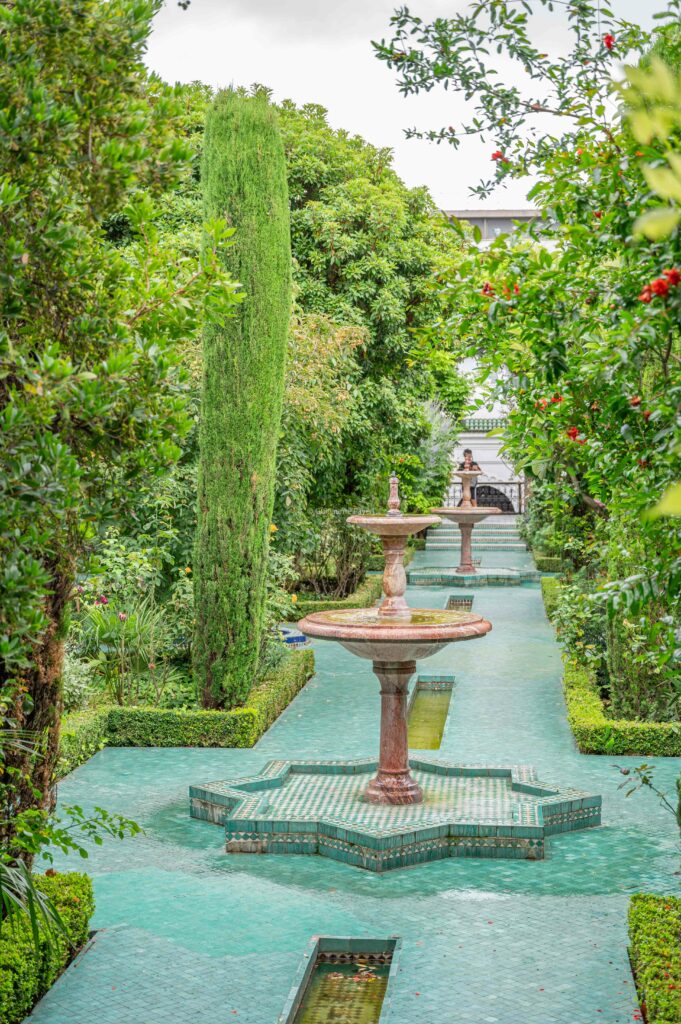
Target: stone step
445	535
503	546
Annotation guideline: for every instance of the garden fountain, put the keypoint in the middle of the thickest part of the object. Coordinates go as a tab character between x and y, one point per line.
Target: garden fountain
397	810
466	516
393	636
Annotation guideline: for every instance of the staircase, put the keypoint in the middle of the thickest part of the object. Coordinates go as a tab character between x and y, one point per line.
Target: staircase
499	533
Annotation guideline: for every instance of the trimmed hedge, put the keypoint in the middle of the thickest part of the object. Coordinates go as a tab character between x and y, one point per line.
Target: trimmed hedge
27	973
597	734
655	952
548	563
550	591
365	596
86	732
81	735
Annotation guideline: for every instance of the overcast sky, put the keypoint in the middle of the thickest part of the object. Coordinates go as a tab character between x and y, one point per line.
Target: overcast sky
320	51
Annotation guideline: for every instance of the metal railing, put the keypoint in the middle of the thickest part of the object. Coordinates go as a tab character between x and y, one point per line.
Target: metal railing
491	493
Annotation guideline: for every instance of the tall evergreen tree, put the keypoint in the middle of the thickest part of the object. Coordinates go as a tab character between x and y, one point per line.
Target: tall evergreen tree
244	181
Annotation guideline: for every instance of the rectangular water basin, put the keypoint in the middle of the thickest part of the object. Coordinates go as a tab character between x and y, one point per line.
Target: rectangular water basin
427	712
344	980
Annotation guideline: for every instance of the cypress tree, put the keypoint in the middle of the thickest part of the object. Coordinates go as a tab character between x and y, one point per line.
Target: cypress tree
244	181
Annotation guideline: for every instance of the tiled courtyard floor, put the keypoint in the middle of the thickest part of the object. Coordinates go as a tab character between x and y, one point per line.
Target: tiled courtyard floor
191	934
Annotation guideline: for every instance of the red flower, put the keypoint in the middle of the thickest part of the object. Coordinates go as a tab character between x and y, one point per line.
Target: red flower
487	288
608	41
636	400
541	404
498	155
598	214
647	414
556	399
516	289
572	433
673	276
580	151
646	295
660	286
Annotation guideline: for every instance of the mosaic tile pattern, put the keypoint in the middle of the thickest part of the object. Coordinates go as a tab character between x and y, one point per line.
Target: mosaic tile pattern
316	807
496	577
192	934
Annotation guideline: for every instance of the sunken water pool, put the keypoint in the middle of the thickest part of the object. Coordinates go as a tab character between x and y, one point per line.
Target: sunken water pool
350	993
428	710
342	981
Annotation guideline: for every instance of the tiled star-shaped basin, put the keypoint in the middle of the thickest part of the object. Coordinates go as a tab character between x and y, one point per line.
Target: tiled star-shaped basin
442	576
316	807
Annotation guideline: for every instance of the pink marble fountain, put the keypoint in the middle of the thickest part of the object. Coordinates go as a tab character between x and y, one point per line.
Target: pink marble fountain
466	516
392	636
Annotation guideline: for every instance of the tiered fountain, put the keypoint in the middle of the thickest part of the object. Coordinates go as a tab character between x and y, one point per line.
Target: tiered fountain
393	636
466	516
397	810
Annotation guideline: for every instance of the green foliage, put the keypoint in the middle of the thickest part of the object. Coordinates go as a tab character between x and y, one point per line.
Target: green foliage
365	253
548	563
596	734
26	972
582	334
366	595
655	950
550	592
244	179
82	734
85	733
92	391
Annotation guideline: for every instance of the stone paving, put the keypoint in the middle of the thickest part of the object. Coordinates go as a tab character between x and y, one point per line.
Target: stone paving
189	933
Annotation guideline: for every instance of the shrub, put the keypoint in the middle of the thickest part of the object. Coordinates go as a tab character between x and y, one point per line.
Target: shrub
76	682
596	734
244	178
85	733
82	735
365	596
25	974
548	563
550	590
655	950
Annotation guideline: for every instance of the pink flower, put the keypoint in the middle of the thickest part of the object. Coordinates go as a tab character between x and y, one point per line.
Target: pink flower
102	599
122	616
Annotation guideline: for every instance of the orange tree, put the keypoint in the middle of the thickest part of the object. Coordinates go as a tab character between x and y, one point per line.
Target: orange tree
582	312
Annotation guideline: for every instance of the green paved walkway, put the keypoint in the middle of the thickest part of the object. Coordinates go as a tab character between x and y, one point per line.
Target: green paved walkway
190	934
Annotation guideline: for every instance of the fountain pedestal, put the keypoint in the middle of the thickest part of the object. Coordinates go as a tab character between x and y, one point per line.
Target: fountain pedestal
394	783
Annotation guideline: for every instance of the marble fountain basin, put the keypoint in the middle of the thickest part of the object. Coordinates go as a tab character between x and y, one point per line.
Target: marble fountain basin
466	516
394	525
418	633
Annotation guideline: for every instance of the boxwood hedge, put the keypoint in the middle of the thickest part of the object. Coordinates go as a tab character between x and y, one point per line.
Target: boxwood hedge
655	951
548	563
27	973
597	734
365	596
86	732
550	589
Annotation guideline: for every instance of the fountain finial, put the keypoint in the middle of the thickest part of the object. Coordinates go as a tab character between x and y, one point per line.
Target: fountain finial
394	499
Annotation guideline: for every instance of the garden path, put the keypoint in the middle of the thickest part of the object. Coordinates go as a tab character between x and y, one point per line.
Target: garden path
191	934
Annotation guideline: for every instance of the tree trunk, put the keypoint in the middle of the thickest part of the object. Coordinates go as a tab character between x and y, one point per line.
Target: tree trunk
39	704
